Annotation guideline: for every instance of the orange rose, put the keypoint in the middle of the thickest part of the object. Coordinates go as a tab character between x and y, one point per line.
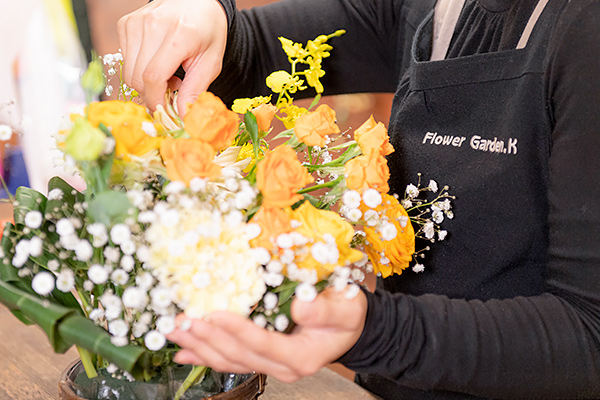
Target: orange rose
264	115
273	221
373	135
311	128
209	120
186	159
398	251
128	123
368	171
279	176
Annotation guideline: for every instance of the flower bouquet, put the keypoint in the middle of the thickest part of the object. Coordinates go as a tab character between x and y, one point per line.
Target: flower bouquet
201	214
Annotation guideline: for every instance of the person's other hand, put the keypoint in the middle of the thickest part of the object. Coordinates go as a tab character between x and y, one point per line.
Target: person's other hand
164	34
326	329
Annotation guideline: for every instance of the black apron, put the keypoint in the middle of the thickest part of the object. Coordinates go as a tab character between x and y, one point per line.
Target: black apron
480	124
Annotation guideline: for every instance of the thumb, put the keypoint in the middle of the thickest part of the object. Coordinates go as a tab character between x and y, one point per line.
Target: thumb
331	309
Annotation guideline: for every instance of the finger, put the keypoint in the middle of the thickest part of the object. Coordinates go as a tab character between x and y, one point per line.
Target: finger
224	352
288	351
160	69
200	73
122	33
133	27
188	357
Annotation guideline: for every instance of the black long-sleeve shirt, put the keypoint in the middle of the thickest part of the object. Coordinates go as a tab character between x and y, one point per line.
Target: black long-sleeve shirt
457	342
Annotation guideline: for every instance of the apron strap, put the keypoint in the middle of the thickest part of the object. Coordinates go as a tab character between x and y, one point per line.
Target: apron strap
531	24
445	17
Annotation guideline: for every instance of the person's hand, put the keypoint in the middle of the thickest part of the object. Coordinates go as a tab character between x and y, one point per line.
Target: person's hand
326	329
159	37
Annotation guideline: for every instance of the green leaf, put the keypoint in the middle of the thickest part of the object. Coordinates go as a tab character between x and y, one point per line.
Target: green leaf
252	129
42	312
62	207
66	327
27	199
284	134
80	331
109	208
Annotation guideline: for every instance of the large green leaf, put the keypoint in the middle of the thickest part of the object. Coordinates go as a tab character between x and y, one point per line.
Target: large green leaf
42	312
62	206
66	327
82	332
27	199
109	208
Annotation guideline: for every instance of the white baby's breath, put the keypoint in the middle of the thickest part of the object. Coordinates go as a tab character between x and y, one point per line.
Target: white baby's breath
165	324
351	199
412	191
118	328
372	198
270	300
43	283
64	227
33	219
306	292
5	132
135	298
281	322
84	250
119	277
112	254
35	246
55	194
98	274
433	186
388	232
418	268
120	233
65	281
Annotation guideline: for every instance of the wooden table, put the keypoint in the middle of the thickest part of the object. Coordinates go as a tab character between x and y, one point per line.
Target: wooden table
29	369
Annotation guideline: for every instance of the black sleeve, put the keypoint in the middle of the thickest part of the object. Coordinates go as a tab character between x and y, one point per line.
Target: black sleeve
370	57
537	347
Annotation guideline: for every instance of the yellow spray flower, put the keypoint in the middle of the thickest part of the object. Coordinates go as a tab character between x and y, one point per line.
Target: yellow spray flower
240	106
293	50
279	81
292	112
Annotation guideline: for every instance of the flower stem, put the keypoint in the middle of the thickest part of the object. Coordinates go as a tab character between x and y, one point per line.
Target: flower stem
196	374
86	360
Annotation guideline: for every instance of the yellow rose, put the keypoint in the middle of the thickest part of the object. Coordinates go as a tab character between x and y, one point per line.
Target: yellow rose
398	251
186	159
273	221
312	128
368	171
373	135
320	225
264	115
128	123
209	120
279	176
